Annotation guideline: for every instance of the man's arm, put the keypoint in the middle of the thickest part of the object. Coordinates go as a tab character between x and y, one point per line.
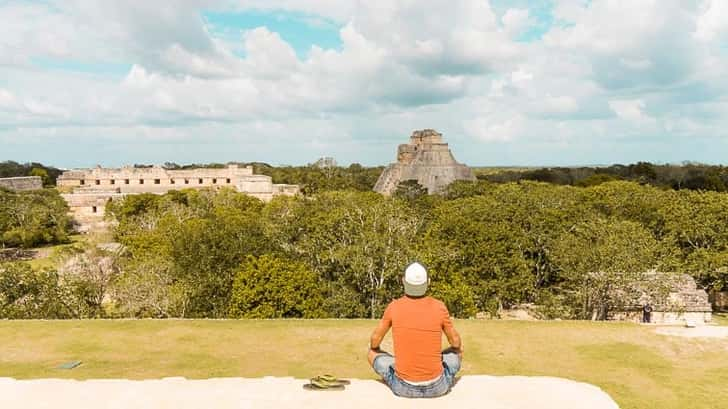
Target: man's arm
378	334
453	337
376	339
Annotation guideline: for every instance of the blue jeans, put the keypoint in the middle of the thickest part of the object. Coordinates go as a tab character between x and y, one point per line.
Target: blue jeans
384	366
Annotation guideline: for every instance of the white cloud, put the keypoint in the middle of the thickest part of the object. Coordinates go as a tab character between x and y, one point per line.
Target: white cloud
267	55
45	109
516	21
8	101
521	77
614	71
561	104
180	60
494	129
650	41
569	10
630	109
713	23
339	10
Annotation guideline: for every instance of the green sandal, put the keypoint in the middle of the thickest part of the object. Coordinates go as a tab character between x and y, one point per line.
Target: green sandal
333	379
318	384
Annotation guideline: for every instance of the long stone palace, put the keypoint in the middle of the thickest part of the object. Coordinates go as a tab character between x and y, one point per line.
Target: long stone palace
87	191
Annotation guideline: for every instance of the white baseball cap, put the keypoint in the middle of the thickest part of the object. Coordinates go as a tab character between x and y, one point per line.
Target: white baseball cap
415	280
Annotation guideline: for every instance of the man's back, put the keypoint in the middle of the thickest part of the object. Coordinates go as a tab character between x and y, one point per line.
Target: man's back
417	326
418	369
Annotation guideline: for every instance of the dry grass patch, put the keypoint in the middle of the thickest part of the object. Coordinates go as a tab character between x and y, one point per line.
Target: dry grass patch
638	368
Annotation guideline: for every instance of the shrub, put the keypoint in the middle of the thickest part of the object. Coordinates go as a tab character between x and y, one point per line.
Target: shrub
27	294
271	287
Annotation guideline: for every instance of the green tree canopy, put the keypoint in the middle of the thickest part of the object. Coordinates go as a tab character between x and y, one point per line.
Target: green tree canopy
272	287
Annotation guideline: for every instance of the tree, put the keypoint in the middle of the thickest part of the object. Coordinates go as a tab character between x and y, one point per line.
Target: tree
87	277
539	213
628	201
359	243
32	218
29	294
596	179
133	205
378	242
697	224
472	239
457	295
42	173
600	261
10	169
643	171
206	251
201	236
465	188
145	288
410	190
271	287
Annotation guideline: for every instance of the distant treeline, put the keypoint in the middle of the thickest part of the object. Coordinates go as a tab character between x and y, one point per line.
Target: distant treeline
314	179
686	176
9	169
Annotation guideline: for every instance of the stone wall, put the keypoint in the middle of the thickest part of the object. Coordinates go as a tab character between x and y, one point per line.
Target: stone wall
22	183
88	208
156	179
288	190
665	317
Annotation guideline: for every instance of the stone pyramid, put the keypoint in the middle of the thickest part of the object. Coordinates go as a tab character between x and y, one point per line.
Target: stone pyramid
426	159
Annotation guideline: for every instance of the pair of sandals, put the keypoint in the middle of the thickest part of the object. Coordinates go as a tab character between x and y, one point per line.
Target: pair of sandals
326	382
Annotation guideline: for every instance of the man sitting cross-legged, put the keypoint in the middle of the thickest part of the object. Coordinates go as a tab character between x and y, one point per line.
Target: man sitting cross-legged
418	369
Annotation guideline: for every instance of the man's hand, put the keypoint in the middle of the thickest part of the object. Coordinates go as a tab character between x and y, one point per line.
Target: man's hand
451	349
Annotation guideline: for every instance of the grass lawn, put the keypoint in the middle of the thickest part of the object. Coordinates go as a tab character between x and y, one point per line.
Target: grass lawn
720	318
637	367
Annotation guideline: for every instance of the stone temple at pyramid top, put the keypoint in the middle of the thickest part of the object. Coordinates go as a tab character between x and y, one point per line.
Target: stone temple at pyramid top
426	159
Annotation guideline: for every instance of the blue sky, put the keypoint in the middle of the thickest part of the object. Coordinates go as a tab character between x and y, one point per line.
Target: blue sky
301	31
508	82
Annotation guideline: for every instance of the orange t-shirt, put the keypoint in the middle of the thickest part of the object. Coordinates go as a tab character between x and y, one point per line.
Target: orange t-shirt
417	326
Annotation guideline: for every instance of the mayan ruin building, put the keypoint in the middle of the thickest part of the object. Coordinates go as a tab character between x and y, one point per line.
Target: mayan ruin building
684	303
426	159
22	183
88	190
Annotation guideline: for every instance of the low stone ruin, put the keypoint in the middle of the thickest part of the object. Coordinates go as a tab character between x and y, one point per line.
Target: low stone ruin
22	183
684	303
